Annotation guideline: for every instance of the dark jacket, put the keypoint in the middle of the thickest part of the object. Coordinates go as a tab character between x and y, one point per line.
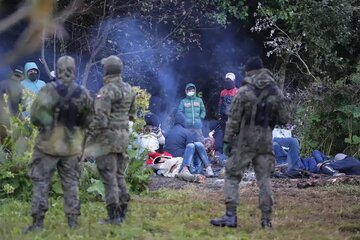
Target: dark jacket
348	165
178	137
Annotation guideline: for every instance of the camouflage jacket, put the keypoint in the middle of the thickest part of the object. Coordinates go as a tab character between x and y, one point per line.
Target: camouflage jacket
113	107
248	128
61	135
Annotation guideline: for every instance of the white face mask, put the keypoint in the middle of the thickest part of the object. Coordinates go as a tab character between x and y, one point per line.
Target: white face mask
190	94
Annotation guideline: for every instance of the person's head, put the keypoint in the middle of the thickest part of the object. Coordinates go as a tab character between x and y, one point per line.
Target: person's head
253	63
229	81
179	118
112	65
152	120
18	74
32	71
190	90
66	69
339	156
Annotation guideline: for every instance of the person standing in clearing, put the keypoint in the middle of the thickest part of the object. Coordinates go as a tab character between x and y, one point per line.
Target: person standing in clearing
258	106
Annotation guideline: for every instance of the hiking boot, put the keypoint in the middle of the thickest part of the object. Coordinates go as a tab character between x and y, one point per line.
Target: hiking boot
266	224
38	224
209	172
72	221
228	220
114	215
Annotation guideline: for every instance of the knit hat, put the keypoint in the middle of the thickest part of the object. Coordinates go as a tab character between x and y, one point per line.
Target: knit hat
19	70
112	65
231	76
339	156
253	63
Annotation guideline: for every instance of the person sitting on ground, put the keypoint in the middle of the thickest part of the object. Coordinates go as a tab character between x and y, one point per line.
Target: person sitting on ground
286	149
151	137
179	142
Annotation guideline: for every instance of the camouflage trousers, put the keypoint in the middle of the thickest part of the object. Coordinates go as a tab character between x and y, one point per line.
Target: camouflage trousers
41	171
112	171
263	165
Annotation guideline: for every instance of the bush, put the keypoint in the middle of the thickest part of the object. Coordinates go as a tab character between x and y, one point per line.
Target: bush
17	153
329	120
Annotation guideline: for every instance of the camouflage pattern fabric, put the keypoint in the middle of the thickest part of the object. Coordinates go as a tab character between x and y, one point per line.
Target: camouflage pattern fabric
42	169
114	106
56	138
108	135
112	168
250	139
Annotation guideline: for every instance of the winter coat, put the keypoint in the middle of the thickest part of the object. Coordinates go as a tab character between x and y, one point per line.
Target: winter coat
27	83
193	108
226	98
348	165
178	137
151	138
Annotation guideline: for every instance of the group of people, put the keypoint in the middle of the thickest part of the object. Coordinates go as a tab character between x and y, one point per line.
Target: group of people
73	125
64	112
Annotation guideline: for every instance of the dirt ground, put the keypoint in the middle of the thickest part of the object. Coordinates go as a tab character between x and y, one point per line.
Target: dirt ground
316	203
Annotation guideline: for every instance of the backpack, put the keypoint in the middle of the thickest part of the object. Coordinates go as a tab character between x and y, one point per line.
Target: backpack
66	112
264	107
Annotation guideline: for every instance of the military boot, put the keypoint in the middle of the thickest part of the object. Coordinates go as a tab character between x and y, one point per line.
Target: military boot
123	210
266	220
114	215
38	224
228	220
266	224
72	221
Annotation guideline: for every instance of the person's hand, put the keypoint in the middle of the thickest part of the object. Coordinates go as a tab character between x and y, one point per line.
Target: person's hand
226	149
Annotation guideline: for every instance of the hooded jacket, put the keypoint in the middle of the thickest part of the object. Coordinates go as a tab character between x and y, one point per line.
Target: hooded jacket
193	109
178	137
257	107
62	111
27	83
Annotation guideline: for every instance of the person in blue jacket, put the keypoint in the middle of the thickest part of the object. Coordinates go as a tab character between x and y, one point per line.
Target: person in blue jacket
180	142
32	84
32	80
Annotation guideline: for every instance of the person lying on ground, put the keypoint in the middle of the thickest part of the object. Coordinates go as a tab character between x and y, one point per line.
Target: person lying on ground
179	142
168	166
341	163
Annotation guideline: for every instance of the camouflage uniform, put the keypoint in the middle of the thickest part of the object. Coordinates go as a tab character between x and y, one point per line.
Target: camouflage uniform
249	133
109	133
61	112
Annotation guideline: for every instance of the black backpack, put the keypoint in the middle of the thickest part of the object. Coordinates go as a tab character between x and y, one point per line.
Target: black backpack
66	112
264	108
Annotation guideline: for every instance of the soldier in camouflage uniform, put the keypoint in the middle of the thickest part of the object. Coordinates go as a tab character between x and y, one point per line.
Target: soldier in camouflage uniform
109	133
61	111
257	107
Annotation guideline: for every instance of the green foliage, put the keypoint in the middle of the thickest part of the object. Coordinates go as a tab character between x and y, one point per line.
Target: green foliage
14	179
330	121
